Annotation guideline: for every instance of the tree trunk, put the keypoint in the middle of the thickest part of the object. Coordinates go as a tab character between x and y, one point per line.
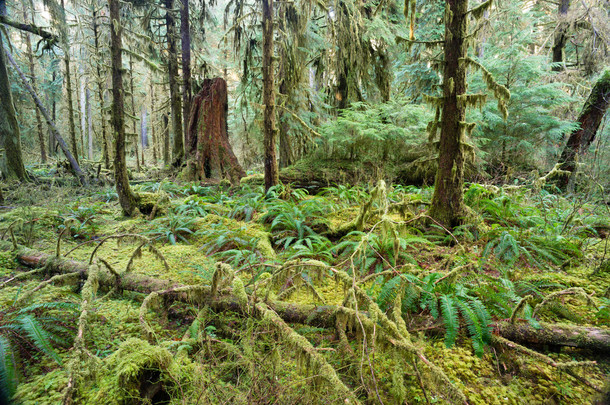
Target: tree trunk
174	88
28	44
286	156
212	155
590	119
52	141
11	163
134	119
100	90
448	199
584	337
89	124
143	131
270	131
187	95
127	198
60	141
152	121
66	48
82	101
561	36
165	139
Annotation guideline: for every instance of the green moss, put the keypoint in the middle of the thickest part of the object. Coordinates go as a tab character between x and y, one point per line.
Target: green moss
256	179
246	230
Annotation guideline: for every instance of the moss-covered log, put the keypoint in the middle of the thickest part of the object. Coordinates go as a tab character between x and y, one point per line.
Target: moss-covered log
590	338
557	335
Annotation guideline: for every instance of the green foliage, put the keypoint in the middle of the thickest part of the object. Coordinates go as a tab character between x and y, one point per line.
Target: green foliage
379	131
173	227
81	220
527	139
38	328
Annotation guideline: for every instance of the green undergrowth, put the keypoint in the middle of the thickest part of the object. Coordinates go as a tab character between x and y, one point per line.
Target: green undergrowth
530	256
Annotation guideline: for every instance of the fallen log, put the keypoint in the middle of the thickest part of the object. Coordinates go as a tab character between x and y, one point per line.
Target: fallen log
590	338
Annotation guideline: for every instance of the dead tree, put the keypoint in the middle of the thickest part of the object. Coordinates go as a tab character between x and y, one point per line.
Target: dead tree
208	143
589	121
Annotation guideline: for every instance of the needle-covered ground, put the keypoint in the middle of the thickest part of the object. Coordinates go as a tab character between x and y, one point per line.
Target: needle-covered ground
415	306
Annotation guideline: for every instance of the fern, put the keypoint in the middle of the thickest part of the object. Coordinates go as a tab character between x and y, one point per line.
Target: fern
388	292
39	337
474	326
8	371
450	318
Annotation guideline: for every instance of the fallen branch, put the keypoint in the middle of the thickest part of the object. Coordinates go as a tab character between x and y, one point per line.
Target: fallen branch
583	337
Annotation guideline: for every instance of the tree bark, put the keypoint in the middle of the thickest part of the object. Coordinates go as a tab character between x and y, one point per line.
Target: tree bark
11	163
270	131
71	124
152	120
81	100
561	36
134	119
286	155
62	144
127	198
89	124
100	88
174	88
589	120
28	44
143	131
211	154
448	199
165	139
187	95
584	337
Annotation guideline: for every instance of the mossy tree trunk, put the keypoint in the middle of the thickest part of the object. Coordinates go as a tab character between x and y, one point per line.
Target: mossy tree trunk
210	154
589	120
286	155
152	120
561	36
50	123
448	200
270	131
66	48
127	198
100	87
28	45
174	87
11	163
134	119
187	95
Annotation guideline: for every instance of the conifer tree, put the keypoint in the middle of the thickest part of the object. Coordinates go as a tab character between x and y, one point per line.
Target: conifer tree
270	135
127	198
11	163
448	200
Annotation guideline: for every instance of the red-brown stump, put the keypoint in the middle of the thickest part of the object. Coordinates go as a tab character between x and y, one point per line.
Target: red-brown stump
211	155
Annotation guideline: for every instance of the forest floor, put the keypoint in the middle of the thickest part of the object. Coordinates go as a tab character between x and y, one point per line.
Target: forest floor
415	311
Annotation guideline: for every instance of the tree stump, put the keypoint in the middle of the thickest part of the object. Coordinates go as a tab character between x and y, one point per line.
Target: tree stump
210	154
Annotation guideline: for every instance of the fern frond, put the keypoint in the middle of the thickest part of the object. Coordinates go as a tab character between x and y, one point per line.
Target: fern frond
473	324
484	317
39	337
8	371
388	292
450	318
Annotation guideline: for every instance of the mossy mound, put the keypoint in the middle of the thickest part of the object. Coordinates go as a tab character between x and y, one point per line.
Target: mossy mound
244	233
